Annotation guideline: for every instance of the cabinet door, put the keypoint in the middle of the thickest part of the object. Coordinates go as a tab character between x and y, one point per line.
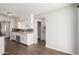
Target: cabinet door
30	39
14	37
2	45
23	40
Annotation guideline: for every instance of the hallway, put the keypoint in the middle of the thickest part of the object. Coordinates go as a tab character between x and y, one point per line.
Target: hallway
14	48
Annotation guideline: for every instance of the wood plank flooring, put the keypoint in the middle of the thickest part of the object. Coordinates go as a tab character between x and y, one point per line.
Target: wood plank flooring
14	48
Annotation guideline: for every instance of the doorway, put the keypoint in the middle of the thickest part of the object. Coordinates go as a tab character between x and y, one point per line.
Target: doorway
39	30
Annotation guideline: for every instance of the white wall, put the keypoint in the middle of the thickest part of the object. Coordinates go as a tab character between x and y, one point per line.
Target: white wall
78	27
61	29
35	30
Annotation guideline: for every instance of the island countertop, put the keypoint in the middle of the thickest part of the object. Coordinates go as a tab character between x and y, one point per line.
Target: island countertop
25	37
22	30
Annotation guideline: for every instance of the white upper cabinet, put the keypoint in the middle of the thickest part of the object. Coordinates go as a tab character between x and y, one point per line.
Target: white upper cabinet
26	22
23	23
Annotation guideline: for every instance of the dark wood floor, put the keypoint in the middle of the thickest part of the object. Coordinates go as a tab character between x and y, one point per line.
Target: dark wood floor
14	48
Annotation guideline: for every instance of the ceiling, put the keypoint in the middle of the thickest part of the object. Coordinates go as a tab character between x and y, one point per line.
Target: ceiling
23	9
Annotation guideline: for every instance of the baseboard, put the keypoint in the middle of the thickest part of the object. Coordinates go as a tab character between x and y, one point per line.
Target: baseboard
59	50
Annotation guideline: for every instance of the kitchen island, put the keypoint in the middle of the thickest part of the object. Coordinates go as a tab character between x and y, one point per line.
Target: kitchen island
24	37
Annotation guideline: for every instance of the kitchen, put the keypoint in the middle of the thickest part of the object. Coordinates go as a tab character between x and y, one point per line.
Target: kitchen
16	29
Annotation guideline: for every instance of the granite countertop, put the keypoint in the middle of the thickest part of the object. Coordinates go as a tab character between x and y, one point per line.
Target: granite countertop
23	30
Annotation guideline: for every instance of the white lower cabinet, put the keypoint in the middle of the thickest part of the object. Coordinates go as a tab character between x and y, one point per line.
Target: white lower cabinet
23	39
30	39
2	45
26	39
13	36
